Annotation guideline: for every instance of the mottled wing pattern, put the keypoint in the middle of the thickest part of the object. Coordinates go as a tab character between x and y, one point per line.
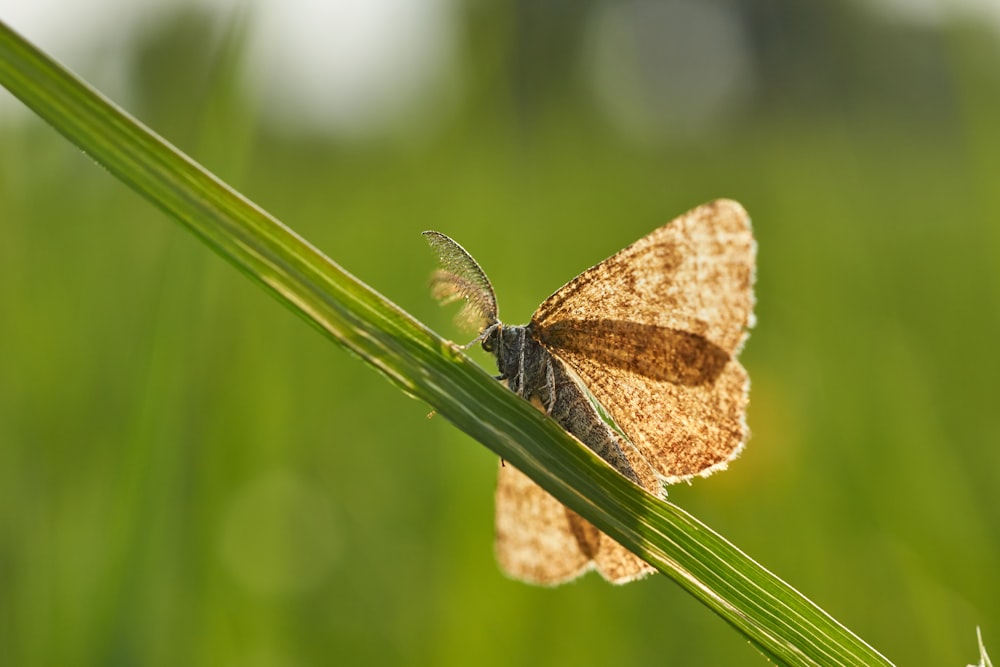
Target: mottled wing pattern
534	540
653	332
540	541
616	563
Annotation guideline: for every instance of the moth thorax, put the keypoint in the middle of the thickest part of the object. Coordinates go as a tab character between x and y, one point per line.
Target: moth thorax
520	360
505	343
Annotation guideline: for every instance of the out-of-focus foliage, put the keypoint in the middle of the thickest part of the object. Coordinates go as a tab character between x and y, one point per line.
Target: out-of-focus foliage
188	475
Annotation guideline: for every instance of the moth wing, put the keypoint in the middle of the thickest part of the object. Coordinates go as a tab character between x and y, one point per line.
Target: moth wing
682	431
535	541
540	541
654	330
619	565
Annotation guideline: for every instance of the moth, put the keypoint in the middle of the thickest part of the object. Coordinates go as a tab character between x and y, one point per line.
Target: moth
637	358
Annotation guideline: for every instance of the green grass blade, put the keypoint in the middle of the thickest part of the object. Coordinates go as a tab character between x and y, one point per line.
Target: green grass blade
781	622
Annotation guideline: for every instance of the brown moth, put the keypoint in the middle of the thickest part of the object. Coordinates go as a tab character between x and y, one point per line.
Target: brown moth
635	357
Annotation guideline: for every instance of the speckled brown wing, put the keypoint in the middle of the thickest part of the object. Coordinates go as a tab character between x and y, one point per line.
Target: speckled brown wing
654	331
540	541
616	563
534	539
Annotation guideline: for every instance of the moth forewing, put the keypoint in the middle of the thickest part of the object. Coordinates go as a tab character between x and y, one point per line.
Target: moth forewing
653	332
694	275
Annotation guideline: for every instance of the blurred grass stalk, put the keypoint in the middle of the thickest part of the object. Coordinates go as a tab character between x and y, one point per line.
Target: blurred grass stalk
782	623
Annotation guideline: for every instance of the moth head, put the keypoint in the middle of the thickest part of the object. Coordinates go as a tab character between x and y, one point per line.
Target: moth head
492	337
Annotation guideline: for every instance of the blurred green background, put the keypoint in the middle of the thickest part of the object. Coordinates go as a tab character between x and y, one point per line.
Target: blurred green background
190	475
